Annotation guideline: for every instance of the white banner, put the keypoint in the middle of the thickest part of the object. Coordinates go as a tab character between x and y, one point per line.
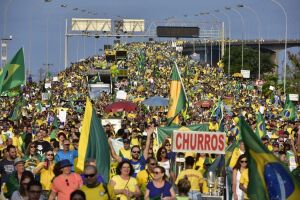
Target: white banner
245	73
294	97
200	142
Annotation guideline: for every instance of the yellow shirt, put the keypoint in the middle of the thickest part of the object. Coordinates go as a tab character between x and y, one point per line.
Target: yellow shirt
143	177
213	127
125	153
98	192
235	156
244	180
17	142
194	176
121	184
134	141
46	176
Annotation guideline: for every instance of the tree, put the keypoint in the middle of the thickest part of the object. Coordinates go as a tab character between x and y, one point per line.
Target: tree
293	73
250	61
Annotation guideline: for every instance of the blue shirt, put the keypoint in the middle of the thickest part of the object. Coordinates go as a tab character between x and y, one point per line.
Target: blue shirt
137	165
70	155
155	192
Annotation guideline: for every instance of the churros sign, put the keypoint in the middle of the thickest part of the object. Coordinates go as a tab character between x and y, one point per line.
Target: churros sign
200	142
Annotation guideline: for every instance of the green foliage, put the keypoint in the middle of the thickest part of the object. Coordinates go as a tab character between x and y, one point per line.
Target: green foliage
293	74
250	60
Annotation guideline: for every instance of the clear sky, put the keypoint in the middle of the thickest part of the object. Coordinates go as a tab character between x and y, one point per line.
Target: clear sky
35	23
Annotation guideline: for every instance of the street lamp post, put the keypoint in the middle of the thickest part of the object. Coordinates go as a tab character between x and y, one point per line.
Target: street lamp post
243	31
4	49
229	36
259	32
285	45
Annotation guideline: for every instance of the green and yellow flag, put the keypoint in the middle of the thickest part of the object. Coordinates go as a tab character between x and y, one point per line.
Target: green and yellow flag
260	125
289	111
93	142
268	177
13	73
178	100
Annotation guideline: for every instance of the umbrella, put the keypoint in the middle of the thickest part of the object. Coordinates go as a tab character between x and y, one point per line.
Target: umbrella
120	106
156	101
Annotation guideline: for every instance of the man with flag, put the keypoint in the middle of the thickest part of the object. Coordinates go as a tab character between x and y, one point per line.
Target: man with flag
268	177
93	143
178	100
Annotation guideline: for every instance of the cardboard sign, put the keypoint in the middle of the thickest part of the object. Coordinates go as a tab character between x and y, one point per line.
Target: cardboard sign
121	95
55	78
294	97
245	73
47	85
200	142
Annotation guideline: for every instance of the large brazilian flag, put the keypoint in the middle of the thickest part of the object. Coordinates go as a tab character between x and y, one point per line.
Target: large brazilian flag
178	100
268	177
93	142
13	73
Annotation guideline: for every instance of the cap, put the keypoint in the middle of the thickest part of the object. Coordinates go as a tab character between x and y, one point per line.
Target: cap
65	163
18	161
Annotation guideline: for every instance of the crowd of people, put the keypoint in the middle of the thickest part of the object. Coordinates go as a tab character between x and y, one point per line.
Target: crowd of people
39	152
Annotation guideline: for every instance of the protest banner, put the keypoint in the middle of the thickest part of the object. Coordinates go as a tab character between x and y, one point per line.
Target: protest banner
200	142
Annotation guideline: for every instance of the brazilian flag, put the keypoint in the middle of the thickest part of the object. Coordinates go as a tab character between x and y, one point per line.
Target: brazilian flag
93	142
289	111
260	125
268	177
13	73
178	100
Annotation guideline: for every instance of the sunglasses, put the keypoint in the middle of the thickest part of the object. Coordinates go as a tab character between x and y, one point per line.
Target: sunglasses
50	154
243	161
89	175
33	147
153	164
67	144
167	145
135	151
156	172
67	182
163	152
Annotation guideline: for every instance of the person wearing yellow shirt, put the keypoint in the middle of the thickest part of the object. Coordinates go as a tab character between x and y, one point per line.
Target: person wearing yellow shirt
213	126
194	176
236	154
125	151
145	176
45	169
93	189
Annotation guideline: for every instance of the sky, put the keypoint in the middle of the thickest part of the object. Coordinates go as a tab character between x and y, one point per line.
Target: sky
39	26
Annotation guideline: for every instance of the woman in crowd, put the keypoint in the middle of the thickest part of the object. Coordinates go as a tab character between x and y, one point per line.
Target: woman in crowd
124	185
239	167
45	169
67	182
160	187
165	163
32	158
